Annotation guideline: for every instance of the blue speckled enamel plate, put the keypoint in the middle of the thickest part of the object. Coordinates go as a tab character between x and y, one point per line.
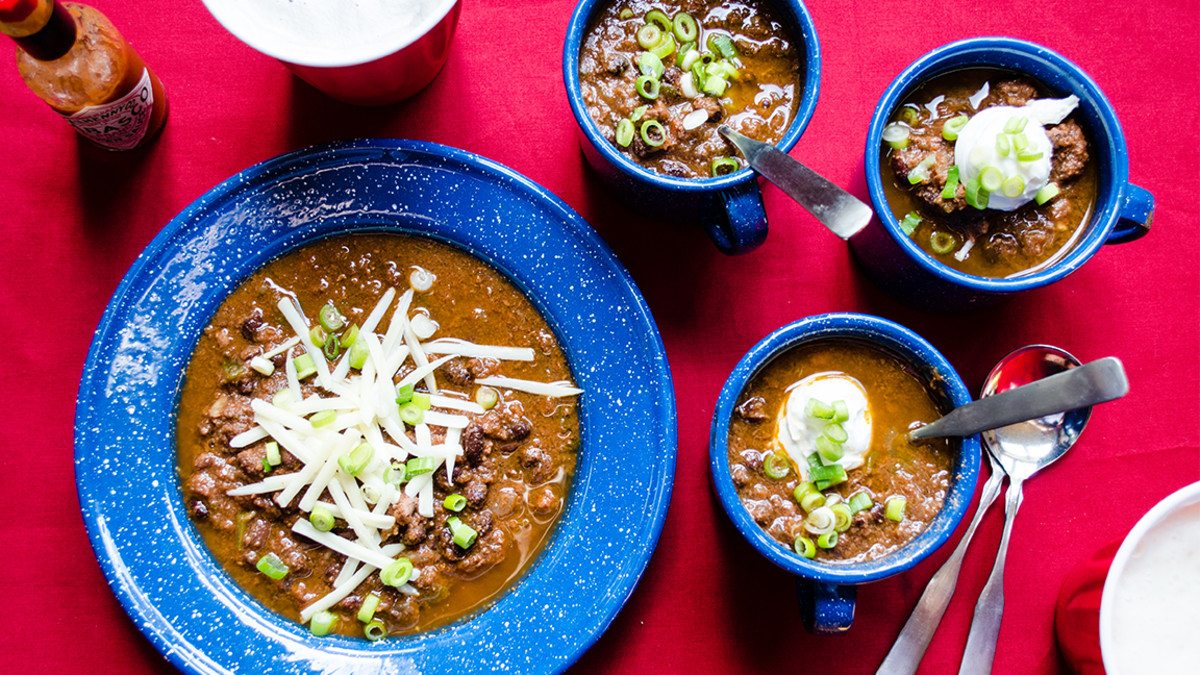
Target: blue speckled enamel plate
155	560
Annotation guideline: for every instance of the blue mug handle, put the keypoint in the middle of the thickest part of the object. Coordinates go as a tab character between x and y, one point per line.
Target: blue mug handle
1136	215
740	225
825	608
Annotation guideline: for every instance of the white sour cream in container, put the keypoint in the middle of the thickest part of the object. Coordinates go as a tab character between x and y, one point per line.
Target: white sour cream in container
796	431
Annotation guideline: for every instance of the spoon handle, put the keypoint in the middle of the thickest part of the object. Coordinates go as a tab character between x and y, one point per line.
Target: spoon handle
1099	381
989	610
843	213
914	639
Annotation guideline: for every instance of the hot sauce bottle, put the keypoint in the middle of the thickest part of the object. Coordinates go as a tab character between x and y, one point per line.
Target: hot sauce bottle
75	60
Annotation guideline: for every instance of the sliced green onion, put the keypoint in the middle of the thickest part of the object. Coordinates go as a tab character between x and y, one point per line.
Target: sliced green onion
332	348
366	611
626	13
455	503
284	398
273	456
820	520
1003	145
818	409
976	196
722	45
812	500
896	135
649	35
951	189
322	622
422	400
486	397
653	133
650	65
647	87
715	86
331	319
322	519
1029	156
910	115
723	166
1048	192
843	516
920	172
828	450
411	414
463	535
396	474
805	547
305	367
860	501
625	132
836	433
802	489
953	127
841	411
942	242
895	508
665	46
991	178
686	28
398	573
266	465
272	566
828	540
814	463
827	476
685	54
358	354
375	630
698	75
318	336
775	467
1015	125
323	418
1020	143
349	337
357	459
404	394
637	113
1013	186
659	18
416	466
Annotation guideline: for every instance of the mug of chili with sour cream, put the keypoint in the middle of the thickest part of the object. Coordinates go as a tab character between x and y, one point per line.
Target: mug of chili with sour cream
1120	213
729	206
827	589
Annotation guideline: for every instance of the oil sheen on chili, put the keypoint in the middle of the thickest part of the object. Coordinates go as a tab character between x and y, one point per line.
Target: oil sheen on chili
304	459
658	79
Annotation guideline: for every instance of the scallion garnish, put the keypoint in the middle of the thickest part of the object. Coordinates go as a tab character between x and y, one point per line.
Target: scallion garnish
396	474
836	432
358	354
991	178
1015	125
665	46
323	418
686	28
1003	145
463	535
722	45
920	172
895	508
841	412
375	630
487	397
411	414
272	566
647	87
953	127
649	36
418	465
321	518
318	336
1048	192
322	622
860	501
775	467
404	394
820	521
842	516
818	409
653	133
331	319
723	166
805	547
366	611
1013	186
650	65
828	540
305	367
828	450
349	337
332	348
455	503
896	135
942	242
625	132
951	189
802	489
812	500
398	573
659	18
357	459
273	456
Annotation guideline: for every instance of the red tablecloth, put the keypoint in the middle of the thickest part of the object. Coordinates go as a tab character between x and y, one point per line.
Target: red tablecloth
74	218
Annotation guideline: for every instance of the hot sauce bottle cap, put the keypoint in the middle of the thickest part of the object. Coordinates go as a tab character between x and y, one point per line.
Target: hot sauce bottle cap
13	11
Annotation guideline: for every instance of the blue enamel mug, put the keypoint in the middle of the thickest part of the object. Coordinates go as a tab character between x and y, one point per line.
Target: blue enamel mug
729	207
827	590
1122	212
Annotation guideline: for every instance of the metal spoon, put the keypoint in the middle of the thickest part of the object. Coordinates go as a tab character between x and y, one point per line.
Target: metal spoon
1026	365
1021	450
843	213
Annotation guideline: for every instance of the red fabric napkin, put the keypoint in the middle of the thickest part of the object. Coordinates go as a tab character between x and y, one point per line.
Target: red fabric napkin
1077	613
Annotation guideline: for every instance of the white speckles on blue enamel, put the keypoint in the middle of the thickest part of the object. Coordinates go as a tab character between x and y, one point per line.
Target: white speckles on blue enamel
124	435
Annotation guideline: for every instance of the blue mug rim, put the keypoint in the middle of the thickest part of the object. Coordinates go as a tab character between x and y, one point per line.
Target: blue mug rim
576	30
898	340
1114	165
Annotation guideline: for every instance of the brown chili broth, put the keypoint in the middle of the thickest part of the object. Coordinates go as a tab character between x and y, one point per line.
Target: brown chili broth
1075	201
897	398
470	301
760	106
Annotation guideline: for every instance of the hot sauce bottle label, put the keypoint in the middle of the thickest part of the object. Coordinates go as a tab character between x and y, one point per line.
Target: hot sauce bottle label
121	124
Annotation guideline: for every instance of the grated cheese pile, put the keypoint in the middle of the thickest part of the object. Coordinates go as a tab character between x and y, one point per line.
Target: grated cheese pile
366	411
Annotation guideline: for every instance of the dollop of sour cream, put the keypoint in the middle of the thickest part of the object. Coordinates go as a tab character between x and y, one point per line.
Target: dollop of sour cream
797	432
977	147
